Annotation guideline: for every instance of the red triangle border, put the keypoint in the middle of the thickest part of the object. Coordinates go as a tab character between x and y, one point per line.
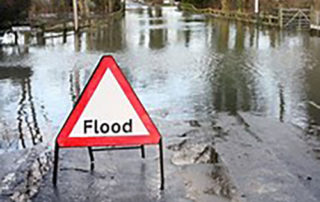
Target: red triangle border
107	62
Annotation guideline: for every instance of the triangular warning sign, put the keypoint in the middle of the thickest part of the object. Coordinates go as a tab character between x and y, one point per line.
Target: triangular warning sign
108	113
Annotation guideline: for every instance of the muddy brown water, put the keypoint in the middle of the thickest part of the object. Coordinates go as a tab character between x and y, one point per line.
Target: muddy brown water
182	66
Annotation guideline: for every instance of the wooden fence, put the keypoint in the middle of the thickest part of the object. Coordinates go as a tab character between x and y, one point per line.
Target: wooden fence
298	18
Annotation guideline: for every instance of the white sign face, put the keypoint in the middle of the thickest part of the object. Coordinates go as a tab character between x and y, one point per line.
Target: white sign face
108	113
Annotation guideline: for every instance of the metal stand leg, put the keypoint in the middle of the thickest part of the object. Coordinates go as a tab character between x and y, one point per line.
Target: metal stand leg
142	152
161	165
91	158
55	166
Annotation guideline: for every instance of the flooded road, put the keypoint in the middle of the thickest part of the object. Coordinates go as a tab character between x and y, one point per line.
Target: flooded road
187	65
218	91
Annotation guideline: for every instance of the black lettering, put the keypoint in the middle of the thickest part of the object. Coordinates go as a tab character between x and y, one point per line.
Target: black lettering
116	127
127	127
104	128
96	127
86	125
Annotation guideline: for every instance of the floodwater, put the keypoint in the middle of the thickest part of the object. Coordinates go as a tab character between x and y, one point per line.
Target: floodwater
182	66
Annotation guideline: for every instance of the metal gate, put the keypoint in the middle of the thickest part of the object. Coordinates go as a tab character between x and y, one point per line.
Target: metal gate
295	18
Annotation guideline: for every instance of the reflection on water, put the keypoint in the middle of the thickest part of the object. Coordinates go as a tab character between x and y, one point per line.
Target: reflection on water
182	66
231	81
27	123
74	85
157	35
32	124
109	38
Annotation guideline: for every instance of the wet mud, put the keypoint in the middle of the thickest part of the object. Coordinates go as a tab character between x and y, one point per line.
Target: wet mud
205	176
22	180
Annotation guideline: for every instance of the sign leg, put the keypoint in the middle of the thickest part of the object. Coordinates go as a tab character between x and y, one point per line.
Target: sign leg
142	152
161	165
55	166
91	158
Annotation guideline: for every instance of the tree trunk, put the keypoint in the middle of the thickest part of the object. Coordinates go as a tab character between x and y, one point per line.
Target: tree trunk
110	3
246	5
317	5
80	6
225	5
83	7
86	7
240	5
